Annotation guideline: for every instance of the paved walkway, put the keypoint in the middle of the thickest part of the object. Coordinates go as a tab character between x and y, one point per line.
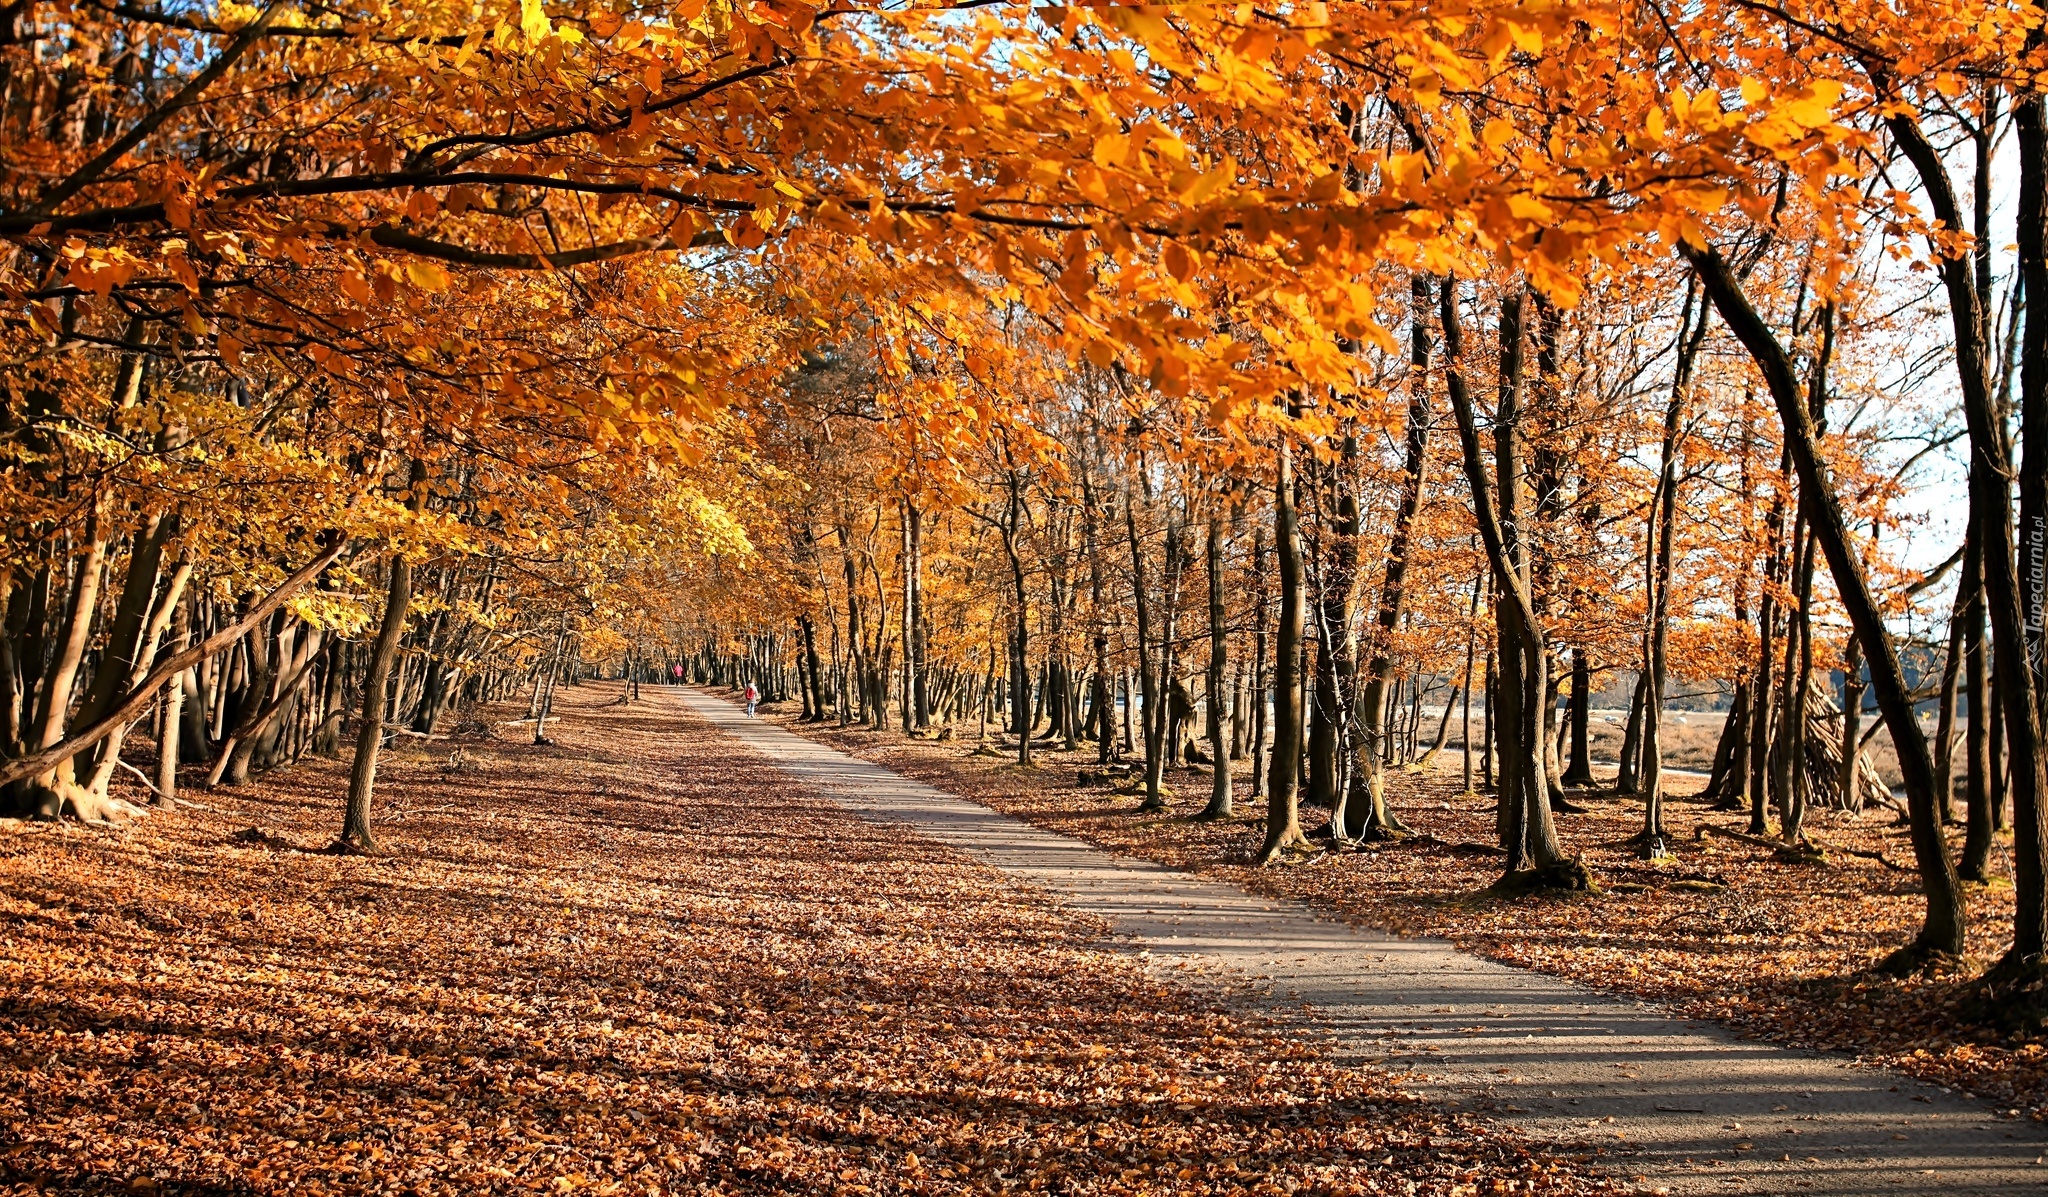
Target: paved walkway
1687	1106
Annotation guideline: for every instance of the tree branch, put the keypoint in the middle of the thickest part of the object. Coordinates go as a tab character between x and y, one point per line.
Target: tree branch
392	237
187	95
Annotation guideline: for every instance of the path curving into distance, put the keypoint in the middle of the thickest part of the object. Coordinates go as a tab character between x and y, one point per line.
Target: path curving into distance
1687	1106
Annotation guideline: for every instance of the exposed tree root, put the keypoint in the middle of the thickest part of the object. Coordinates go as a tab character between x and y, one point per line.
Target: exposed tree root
1915	959
1289	852
1563	876
2013	997
1805	852
58	797
1104	775
1462	847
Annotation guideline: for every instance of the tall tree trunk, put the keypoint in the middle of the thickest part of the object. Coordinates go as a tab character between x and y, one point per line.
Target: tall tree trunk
1851	781
815	667
238	747
1102	685
50	793
1945	704
1168	685
1219	661
916	712
1725	780
856	646
124	669
173	713
1154	726
1261	604
1531	833
1547	477
1580	771
2006	597
1627	774
362	779
2019	617
1337	679
1941	932
1367	815
1020	631
362	776
1763	690
1975	864
1283	812
1664	529
1792	763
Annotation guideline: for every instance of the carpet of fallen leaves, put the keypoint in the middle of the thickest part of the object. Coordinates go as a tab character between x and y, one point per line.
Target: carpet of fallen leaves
636	961
1720	931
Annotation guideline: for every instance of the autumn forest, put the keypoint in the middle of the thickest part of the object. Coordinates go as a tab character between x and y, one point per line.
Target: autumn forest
586	590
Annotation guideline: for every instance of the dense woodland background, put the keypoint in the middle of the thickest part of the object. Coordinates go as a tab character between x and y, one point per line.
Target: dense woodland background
1323	388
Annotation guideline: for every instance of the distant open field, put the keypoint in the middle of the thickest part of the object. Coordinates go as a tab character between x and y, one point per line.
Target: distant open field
1689	739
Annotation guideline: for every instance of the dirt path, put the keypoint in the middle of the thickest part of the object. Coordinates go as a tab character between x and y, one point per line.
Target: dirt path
1686	1106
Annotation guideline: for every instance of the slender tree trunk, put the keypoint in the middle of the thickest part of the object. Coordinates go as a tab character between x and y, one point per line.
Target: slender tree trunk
1168	683
914	715
816	668
52	792
1530	832
1367	815
1664	529
1103	686
1945	704
1851	781
1465	736
1443	729
2006	597
1942	931
355	828
1020	632
1725	780
1154	726
1489	751
1969	618
1283	813
173	714
1220	806
1627	777
1580	771
1762	690
1261	604
2019	617
362	778
1792	765
1338	560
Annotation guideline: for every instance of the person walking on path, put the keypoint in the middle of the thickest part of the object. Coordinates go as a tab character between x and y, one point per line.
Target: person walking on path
753	696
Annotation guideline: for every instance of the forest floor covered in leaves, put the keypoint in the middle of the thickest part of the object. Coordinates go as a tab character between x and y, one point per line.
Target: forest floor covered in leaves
636	961
1721	931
